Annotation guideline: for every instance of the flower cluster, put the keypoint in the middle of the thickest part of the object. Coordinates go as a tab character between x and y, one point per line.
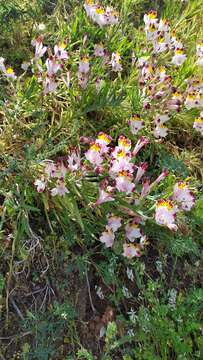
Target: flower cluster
116	161
194	94
99	15
54	174
166	210
156	89
119	177
54	63
158	32
135	240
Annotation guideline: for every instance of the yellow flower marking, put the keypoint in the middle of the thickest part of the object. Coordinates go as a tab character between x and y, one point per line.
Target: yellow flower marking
121	154
165	203
135	118
10	71
104	137
95	147
182	185
100	11
199	120
85	59
124	142
179	52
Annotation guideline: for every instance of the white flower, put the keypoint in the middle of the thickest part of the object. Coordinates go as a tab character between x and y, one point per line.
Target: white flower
60	189
94	154
39	48
161	119
60	52
179	57
52	66
198	123
84	66
116	62
41	27
10	74
183	195
136	124
165	214
74	161
132	232
130	274
99	50
40	184
114	222
160	131
25	66
107	237
50	85
151	18
191	100
2	66
199	49
200	61
104	196
124	182
130	251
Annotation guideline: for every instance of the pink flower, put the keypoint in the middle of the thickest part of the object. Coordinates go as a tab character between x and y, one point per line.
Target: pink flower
49	85
94	154
124	182
84	66
74	161
131	250
161	119
60	52
132	231
183	196
160	131
114	222
52	66
99	50
136	124
40	184
107	237
198	123
140	171
103	140
166	213
61	171
179	57
124	143
39	48
141	142
82	80
104	196
116	62
161	177
145	188
50	169
121	164
60	189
